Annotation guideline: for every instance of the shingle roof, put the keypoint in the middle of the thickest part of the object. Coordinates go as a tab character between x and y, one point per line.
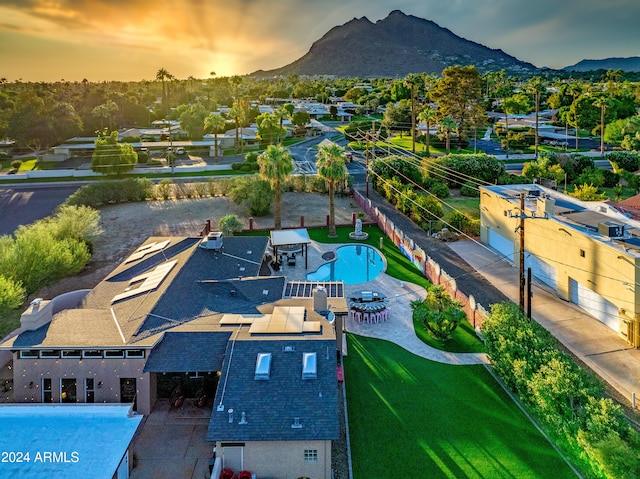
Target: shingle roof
270	406
187	352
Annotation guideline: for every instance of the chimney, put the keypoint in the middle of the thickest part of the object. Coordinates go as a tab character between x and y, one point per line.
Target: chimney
320	299
39	313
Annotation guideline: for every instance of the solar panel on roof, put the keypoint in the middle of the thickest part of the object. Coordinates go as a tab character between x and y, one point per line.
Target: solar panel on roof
152	280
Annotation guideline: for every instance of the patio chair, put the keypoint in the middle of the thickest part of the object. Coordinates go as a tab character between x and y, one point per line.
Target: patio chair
291	260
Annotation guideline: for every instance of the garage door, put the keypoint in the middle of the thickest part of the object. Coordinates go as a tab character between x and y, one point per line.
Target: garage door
601	308
541	270
501	244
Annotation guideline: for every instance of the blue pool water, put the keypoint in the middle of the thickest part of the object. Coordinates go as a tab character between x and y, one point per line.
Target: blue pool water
354	264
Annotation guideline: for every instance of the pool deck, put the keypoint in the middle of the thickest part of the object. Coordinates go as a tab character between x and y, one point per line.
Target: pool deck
399	327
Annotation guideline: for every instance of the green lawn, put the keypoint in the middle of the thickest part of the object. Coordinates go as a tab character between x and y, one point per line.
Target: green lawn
410	417
468	205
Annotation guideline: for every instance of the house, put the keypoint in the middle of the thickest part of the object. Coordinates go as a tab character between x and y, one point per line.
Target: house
181	318
587	252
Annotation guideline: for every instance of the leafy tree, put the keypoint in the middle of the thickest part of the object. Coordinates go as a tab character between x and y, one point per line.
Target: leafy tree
300	118
111	157
438	312
192	120
588	193
584	113
333	111
214	123
459	167
516	104
331	167
276	165
631	142
355	94
397	117
394	166
459	95
229	224
426	208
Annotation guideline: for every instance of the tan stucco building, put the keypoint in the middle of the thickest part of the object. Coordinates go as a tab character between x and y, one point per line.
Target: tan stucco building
587	252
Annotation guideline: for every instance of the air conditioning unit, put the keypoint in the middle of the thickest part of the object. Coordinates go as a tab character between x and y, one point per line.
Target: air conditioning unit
611	229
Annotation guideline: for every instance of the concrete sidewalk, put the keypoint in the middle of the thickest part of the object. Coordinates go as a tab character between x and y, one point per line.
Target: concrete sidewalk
592	342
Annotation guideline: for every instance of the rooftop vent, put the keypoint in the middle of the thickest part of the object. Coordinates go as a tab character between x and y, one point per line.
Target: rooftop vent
243	418
263	366
309	366
296	423
288	349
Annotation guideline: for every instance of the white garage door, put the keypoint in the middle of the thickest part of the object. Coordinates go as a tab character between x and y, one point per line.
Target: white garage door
601	308
501	244
541	270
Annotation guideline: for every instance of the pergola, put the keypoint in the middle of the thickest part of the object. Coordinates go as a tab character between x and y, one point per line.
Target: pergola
290	238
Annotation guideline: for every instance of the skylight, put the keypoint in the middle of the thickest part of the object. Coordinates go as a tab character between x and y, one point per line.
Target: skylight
263	366
309	366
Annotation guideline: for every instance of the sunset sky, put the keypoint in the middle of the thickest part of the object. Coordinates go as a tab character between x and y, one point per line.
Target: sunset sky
50	40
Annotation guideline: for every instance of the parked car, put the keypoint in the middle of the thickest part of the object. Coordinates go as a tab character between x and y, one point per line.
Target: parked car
180	151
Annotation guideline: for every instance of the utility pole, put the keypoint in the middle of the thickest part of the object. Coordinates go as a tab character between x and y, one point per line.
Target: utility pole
537	121
523	216
522	281
367	162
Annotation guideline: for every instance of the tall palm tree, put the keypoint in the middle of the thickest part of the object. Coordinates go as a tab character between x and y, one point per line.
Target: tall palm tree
276	165
163	75
214	123
447	124
428	115
238	113
282	113
331	166
602	103
413	81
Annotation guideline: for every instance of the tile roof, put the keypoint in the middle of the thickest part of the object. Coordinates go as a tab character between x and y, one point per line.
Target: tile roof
188	352
271	405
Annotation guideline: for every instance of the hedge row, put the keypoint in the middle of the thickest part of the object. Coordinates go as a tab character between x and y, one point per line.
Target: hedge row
566	400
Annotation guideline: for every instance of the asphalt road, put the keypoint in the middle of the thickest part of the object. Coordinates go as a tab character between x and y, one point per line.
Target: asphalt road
22	205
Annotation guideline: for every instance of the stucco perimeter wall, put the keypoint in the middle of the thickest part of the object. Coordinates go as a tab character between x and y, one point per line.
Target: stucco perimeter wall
428	266
284	459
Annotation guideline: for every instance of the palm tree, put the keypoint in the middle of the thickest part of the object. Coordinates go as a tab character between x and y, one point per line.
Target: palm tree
427	115
238	113
413	81
214	123
331	166
602	103
163	75
276	165
267	123
282	113
447	124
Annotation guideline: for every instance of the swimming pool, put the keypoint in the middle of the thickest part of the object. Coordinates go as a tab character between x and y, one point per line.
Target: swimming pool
354	264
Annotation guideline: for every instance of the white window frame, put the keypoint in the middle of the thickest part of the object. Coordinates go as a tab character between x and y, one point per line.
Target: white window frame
310	456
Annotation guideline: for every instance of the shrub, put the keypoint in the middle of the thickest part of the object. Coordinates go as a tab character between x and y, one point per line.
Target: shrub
624	160
438	188
165	189
16	164
464	223
470	189
229	224
12	294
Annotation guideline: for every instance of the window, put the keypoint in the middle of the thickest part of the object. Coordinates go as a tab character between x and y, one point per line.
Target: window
114	353
28	354
89	390
47	395
92	353
582	253
48	353
310	455
72	354
134	353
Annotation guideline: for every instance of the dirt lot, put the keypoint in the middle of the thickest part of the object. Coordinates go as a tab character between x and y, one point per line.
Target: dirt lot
126	226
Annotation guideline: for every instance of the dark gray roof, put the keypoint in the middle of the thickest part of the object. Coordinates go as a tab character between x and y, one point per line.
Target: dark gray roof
204	284
186	352
271	405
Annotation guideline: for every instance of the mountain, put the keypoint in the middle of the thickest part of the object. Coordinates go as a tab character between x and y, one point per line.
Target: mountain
629	64
393	47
